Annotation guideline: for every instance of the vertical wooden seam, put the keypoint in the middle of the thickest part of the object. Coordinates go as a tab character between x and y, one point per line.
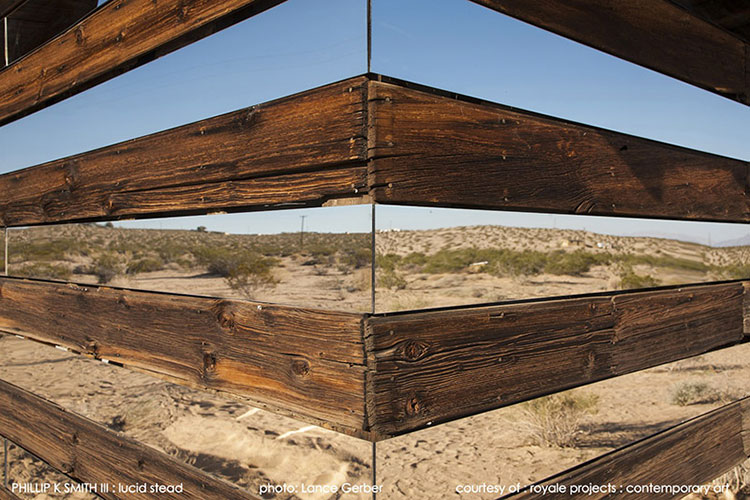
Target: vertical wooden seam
745	431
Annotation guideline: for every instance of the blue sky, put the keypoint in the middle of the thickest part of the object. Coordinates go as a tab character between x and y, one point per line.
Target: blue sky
451	44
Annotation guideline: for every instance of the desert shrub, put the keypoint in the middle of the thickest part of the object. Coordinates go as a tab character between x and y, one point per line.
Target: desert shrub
105	267
736	271
317	249
737	479
694	393
389	278
664	261
145	265
556	420
450	260
512	263
122	244
630	279
43	270
415	260
388	262
170	250
59	249
573	263
356	258
690	393
244	270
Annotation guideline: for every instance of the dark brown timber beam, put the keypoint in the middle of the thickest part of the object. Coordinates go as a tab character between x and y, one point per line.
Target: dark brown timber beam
656	34
303	150
302	362
117	37
428	367
37	21
8	6
91	453
7	494
429	147
692	453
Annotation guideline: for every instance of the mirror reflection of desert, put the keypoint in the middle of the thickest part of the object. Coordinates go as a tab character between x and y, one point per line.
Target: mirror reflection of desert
415	269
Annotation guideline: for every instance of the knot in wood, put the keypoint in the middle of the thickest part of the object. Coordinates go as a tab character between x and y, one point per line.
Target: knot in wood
226	320
414	350
92	347
300	367
413	406
209	362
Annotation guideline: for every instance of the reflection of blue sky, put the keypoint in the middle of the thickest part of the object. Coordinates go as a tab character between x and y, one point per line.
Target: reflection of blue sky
451	44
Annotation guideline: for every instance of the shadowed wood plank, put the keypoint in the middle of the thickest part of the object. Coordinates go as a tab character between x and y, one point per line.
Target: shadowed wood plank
432	148
117	37
434	366
305	362
7	495
7	6
694	452
301	150
91	453
37	21
653	33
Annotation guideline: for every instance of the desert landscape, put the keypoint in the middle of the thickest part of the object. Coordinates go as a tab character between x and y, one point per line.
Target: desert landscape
414	269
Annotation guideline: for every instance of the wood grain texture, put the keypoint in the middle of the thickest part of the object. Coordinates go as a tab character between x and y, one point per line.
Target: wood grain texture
303	150
37	21
731	15
307	363
429	148
694	452
652	33
119	36
746	426
435	366
746	308
7	494
91	453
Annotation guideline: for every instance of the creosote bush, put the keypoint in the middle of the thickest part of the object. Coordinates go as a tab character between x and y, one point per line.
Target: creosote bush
556	420
244	270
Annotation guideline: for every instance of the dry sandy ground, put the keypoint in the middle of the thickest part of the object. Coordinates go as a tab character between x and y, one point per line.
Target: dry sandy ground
231	440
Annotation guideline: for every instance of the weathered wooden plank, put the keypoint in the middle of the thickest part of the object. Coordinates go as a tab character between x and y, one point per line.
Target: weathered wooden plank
7	495
8	6
305	362
731	15
652	33
434	366
91	453
746	308
300	150
117	37
746	426
37	21
694	452
430	148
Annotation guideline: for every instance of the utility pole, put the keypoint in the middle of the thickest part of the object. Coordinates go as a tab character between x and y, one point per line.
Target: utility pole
302	231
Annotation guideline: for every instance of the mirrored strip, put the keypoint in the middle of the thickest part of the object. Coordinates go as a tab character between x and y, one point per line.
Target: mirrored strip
432	257
319	258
